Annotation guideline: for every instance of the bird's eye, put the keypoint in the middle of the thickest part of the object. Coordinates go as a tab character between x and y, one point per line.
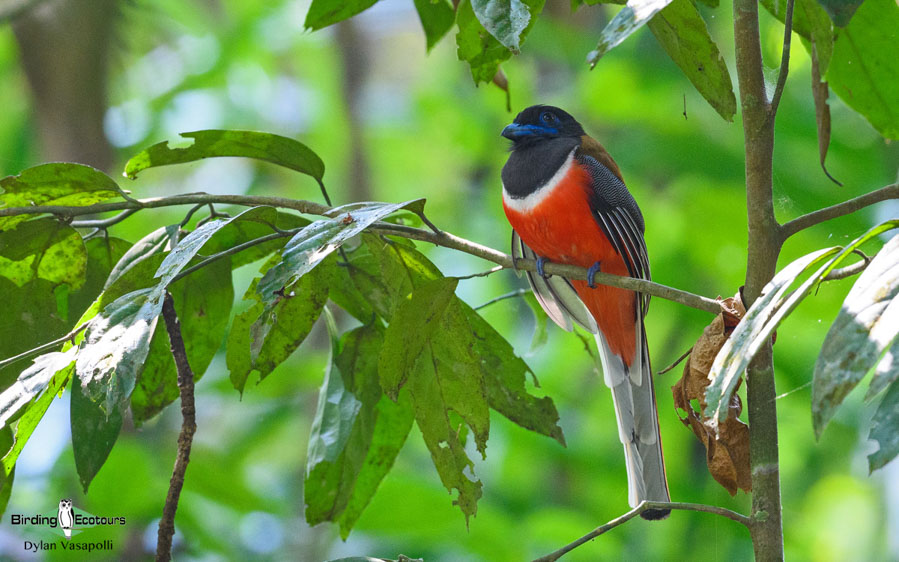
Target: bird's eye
548	117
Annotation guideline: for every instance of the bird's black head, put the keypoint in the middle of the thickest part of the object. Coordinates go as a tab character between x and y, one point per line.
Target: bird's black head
541	122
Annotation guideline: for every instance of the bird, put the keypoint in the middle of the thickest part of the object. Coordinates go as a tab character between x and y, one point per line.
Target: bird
64	517
567	203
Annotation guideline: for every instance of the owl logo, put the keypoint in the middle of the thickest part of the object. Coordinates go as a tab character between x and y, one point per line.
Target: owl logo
65	518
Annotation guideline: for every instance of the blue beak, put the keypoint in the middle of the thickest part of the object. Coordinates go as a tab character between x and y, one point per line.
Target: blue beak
516	131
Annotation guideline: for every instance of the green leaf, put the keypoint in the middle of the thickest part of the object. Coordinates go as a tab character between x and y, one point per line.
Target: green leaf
504	377
31	382
315	242
43	249
505	20
32	415
866	324
152	244
323	13
339	489
103	253
203	304
811	22
435	388
756	326
479	48
683	34
252	226
59	183
840	11
30	318
6	480
115	346
437	18
265	335
212	143
885	429
631	18
863	68
765	314
93	434
414	321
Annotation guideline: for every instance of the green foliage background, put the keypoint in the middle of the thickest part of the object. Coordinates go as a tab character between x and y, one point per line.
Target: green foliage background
427	131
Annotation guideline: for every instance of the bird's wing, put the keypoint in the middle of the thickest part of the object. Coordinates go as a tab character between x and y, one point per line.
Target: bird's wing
555	294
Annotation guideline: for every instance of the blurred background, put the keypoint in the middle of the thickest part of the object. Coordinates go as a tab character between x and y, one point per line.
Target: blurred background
96	81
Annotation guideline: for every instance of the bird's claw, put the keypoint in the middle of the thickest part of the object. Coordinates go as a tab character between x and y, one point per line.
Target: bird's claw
540	263
591	273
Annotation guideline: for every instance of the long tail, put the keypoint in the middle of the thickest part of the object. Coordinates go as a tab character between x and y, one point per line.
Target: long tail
638	423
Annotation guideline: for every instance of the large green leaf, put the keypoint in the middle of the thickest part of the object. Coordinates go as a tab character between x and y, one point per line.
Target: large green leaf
103	253
683	34
93	434
203	304
212	143
437	18
481	50
315	242
265	335
885	429
43	249
415	320
811	22
866	324
631	18
505	20
864	70
115	346
59	184
338	489
323	13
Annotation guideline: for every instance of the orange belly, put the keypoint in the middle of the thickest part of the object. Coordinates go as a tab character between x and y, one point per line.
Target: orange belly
562	229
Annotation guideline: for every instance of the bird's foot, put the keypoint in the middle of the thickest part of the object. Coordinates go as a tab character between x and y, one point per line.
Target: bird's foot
540	263
594	269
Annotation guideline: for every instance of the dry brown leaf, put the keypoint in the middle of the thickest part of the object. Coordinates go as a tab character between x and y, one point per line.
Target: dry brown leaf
822	113
727	455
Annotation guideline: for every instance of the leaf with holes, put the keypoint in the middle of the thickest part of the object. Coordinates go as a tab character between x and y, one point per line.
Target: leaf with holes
43	249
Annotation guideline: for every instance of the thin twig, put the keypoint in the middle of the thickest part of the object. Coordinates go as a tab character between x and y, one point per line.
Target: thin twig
784	62
321	184
512	295
480	274
839	210
644	506
46	347
676	362
104	223
188	428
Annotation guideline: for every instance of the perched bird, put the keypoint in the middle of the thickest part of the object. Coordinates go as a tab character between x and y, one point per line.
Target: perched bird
567	203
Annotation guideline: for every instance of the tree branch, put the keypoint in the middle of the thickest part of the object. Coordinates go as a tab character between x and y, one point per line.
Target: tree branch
188	428
733	515
784	62
839	210
438	237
